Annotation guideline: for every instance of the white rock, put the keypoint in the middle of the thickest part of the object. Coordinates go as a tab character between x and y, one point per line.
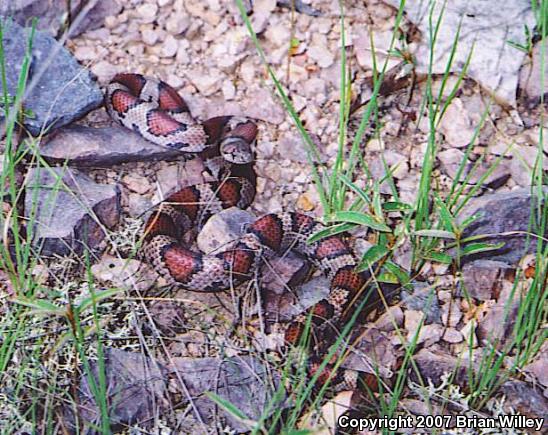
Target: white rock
207	82
456	125
278	34
149	36
170	47
104	70
176	24
148	12
229	90
85	53
321	55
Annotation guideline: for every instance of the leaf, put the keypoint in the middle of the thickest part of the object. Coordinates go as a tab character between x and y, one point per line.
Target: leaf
371	256
439	257
441	234
476	248
330	231
446	217
401	275
41	306
227	406
396	206
99	296
360	219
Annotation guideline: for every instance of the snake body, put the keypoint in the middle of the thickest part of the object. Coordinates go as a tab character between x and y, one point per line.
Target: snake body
156	111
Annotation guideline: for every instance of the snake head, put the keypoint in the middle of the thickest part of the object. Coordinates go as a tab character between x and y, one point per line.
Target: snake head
236	150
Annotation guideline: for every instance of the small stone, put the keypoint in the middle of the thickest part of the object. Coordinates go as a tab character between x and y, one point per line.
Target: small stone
429	334
148	12
149	36
451	318
392	319
456	125
278	34
229	90
169	49
452	336
136	183
321	55
304	203
85	53
177	25
223	228
104	70
469	334
207	83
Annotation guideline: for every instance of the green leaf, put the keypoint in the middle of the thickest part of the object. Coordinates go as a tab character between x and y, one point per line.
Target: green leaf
41	306
446	217
99	296
360	219
399	272
441	234
371	256
439	257
388	278
476	248
330	231
396	206
227	406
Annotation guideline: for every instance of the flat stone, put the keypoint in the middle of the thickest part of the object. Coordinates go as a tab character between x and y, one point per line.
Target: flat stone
59	89
86	146
62	210
242	380
223	228
499	214
51	13
135	388
423	299
482	278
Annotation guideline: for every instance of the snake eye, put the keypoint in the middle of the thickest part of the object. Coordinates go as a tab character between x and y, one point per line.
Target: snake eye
236	150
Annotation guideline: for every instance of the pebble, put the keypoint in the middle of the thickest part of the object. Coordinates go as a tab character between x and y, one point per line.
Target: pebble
177	25
149	36
148	12
170	47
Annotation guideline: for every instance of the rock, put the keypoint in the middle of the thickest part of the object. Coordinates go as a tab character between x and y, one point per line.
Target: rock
525	400
61	211
482	279
134	385
281	274
373	353
322	55
241	380
169	316
500	214
451	335
147	12
172	177
292	146
392	319
51	13
531	77
538	367
261	105
500	318
58	90
423	299
126	273
222	228
433	365
450	313
456	125
494	63
107	146
289	304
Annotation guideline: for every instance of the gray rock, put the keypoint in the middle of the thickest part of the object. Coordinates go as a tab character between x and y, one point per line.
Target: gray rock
526	400
69	210
85	146
423	299
500	319
223	228
86	15
498	214
483	278
58	90
242	381
135	386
